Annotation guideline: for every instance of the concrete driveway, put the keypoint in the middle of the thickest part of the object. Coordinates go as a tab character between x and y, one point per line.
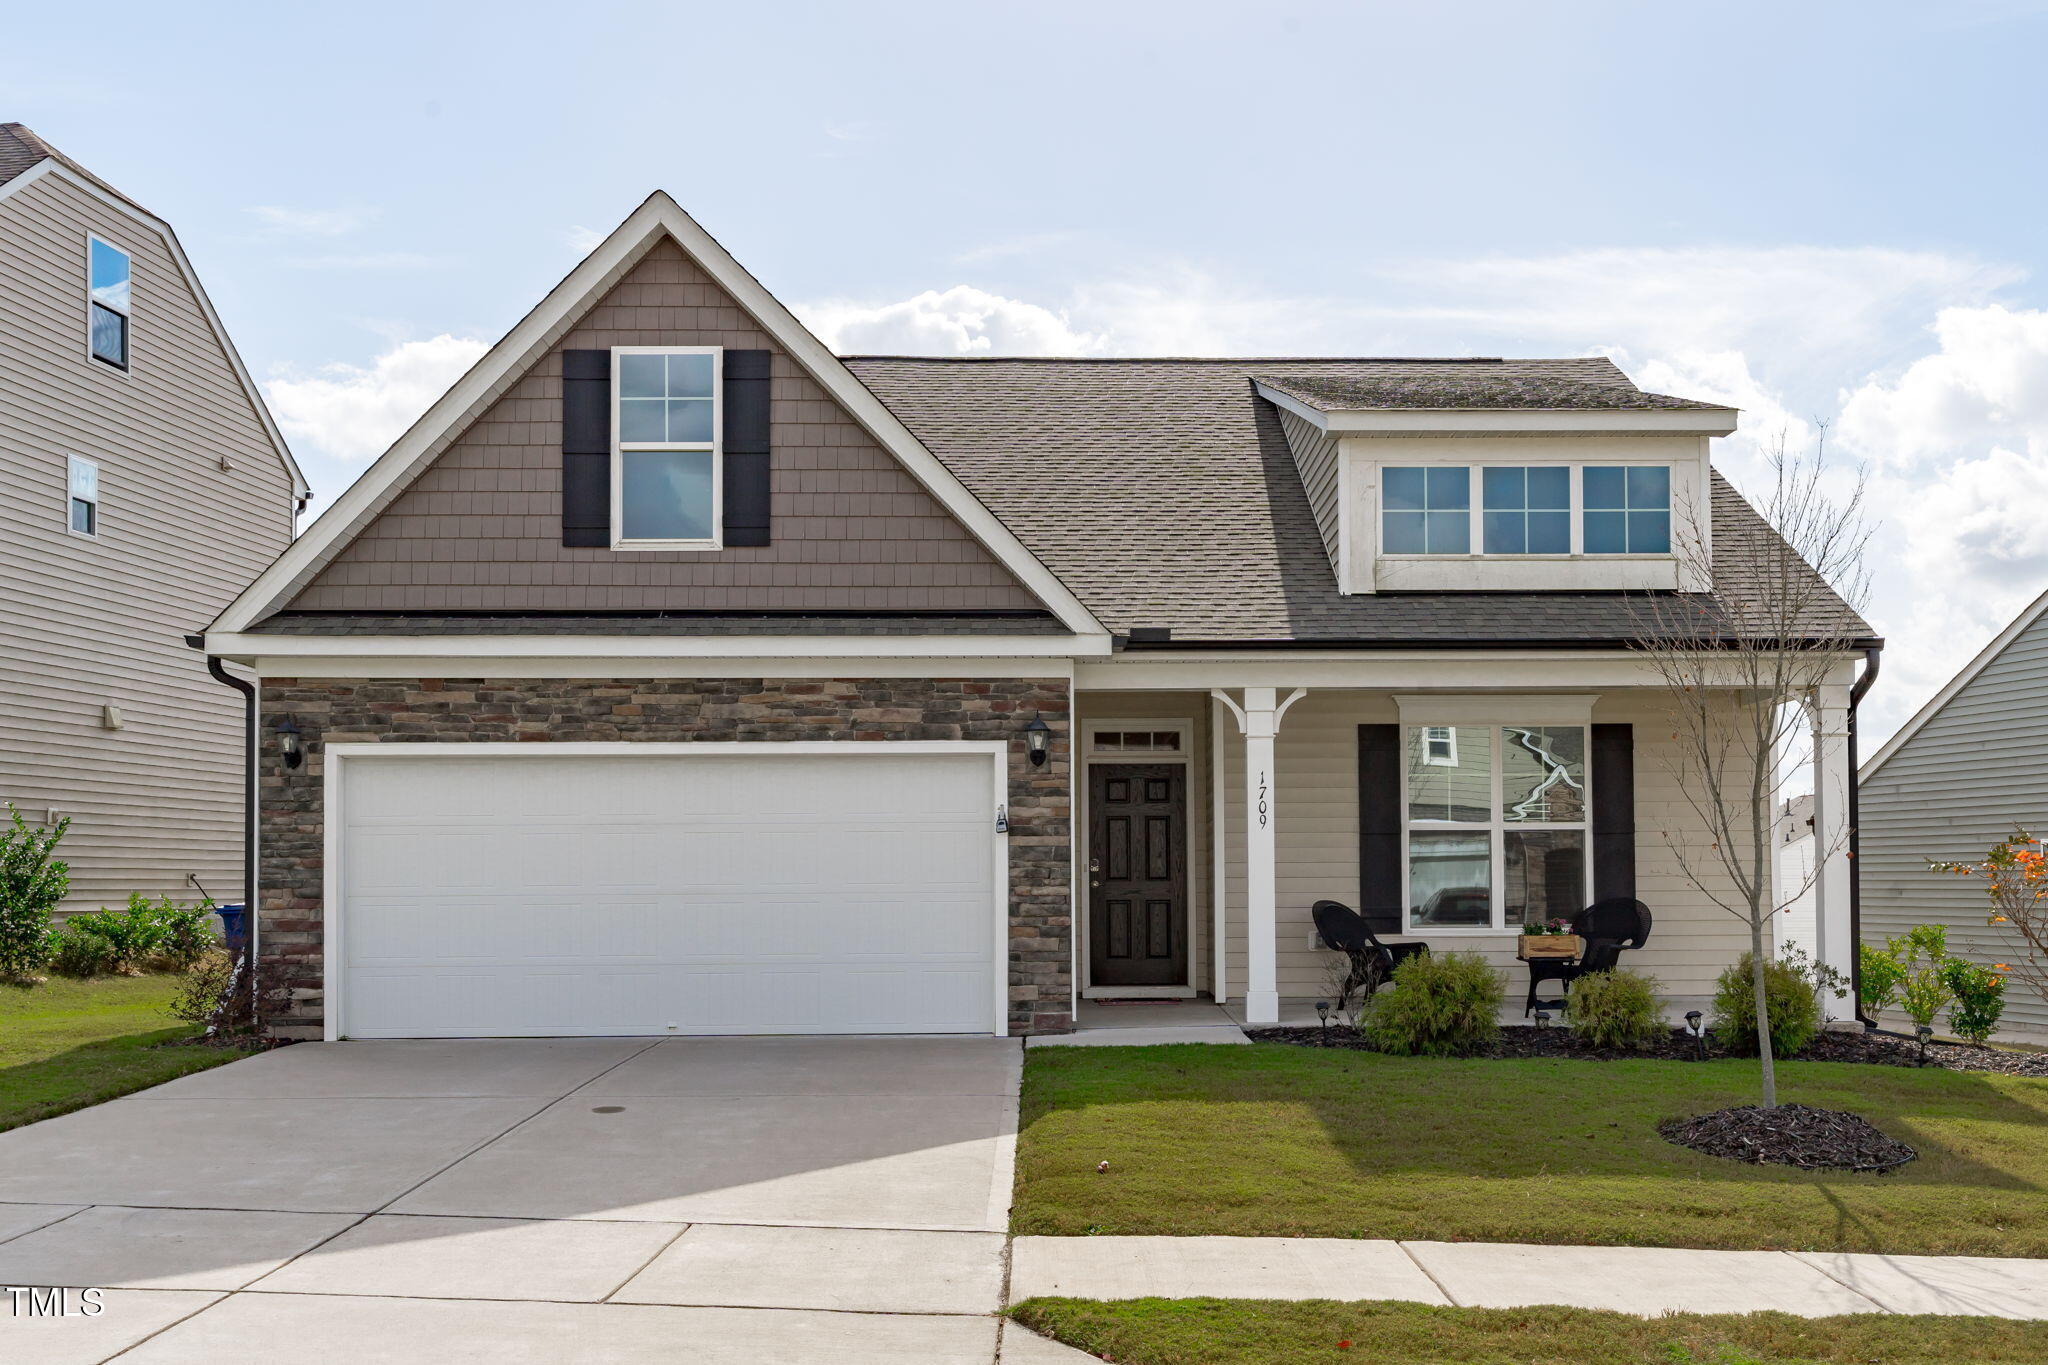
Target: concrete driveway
687	1200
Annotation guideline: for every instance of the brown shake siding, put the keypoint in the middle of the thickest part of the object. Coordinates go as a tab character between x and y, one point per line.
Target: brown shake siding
459	710
481	529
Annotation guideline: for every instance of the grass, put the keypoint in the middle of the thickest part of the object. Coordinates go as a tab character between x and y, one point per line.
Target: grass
1272	1140
1270	1332
67	1044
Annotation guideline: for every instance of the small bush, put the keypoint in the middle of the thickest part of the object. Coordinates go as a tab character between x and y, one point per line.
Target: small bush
32	881
82	953
1879	980
1923	989
203	993
1442	1005
1616	1008
1789	996
1979	998
184	933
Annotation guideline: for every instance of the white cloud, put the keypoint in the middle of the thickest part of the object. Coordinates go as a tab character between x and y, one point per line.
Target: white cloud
958	321
351	412
310	222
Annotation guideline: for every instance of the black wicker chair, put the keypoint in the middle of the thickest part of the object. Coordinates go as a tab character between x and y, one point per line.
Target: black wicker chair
1344	930
1608	929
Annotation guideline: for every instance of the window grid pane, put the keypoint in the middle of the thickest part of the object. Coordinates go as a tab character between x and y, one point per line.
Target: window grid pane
1628	509
1485	832
1427	510
666	398
665	495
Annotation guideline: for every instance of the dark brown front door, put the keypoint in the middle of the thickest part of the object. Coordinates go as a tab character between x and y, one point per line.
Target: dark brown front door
1138	874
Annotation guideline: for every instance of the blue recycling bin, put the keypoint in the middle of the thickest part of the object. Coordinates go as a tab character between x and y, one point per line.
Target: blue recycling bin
234	925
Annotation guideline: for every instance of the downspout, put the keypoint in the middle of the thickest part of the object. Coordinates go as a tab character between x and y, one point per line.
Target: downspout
248	691
1871	659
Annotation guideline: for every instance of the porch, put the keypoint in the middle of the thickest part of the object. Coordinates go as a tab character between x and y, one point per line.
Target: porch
1209	821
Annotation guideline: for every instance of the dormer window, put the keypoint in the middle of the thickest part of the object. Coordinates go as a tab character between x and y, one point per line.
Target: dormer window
1428	511
1628	509
666	470
1555	509
1527	511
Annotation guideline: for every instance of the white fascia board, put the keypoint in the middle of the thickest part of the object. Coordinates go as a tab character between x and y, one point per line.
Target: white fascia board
1534	421
1315	417
1508	671
616	667
659	215
301	490
1954	685
229	645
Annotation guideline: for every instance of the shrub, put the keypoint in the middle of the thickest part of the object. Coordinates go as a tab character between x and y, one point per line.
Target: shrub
1616	1008
202	997
1442	1005
32	881
184	932
1881	976
82	953
1979	998
1789	995
124	940
1923	990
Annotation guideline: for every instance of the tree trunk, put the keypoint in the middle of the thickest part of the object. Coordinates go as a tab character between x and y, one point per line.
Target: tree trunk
1763	1012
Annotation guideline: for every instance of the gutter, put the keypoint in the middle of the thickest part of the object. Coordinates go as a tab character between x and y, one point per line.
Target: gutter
1872	658
248	691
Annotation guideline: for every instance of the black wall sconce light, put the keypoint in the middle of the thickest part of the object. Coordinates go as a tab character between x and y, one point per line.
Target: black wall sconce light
1037	740
288	743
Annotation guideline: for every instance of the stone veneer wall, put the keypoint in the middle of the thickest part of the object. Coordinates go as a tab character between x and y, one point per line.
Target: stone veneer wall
457	710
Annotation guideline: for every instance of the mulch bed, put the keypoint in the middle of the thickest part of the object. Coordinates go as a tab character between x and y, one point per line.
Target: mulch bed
1873	1048
1790	1135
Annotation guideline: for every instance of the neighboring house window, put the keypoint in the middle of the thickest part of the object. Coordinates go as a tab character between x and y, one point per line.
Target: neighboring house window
1628	509
107	303
1428	511
1527	511
85	497
665	447
1497	837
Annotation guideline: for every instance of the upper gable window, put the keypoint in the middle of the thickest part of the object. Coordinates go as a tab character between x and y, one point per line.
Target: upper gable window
666	462
107	304
1628	509
1428	511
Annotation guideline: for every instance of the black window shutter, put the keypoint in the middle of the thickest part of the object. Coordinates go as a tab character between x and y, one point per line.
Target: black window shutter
1613	773
1379	828
587	448
746	447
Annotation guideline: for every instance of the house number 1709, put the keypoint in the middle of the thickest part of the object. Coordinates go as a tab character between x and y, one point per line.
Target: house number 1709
1262	800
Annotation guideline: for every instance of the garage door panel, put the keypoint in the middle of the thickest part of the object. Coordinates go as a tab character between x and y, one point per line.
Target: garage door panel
658	894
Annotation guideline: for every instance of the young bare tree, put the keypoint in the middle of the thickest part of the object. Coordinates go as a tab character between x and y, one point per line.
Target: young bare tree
1741	667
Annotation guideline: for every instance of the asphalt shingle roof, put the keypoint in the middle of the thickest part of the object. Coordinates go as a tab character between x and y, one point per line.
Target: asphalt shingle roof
680	624
1478	385
1163	493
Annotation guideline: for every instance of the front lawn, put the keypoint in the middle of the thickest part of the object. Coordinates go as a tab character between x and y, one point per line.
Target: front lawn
1278	1141
1269	1332
67	1044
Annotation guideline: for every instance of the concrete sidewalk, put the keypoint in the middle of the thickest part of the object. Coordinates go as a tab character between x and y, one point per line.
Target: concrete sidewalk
1645	1280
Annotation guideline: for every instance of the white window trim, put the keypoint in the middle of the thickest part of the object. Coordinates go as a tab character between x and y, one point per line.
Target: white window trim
128	315
1496	827
71	464
1476	510
1090	728
716	446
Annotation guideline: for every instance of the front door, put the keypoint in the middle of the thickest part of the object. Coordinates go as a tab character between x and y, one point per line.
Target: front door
1138	874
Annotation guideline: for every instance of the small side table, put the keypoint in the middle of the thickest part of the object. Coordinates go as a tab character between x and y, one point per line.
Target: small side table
1548	968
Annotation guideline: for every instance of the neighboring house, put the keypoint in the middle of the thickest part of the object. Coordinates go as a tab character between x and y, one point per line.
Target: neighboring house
142	484
673	674
1958	777
1792	865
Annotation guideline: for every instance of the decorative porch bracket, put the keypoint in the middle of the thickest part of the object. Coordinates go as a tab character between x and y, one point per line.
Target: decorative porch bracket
1828	708
1258	720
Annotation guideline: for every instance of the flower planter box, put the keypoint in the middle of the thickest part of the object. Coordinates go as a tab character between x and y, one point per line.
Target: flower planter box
1547	945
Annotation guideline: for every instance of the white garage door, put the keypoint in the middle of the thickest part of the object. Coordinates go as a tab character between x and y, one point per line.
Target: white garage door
654	894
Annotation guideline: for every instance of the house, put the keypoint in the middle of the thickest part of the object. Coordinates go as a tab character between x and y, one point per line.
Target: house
673	674
142	484
1969	768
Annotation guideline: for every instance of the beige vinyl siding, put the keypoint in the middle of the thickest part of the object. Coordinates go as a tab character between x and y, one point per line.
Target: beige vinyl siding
481	528
1316	810
1976	769
95	622
1315	455
1145	706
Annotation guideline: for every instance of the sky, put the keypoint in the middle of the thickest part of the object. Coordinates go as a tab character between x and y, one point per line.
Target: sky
1827	214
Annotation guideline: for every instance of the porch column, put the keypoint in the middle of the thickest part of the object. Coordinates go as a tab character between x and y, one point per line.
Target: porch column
1259	719
1836	944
